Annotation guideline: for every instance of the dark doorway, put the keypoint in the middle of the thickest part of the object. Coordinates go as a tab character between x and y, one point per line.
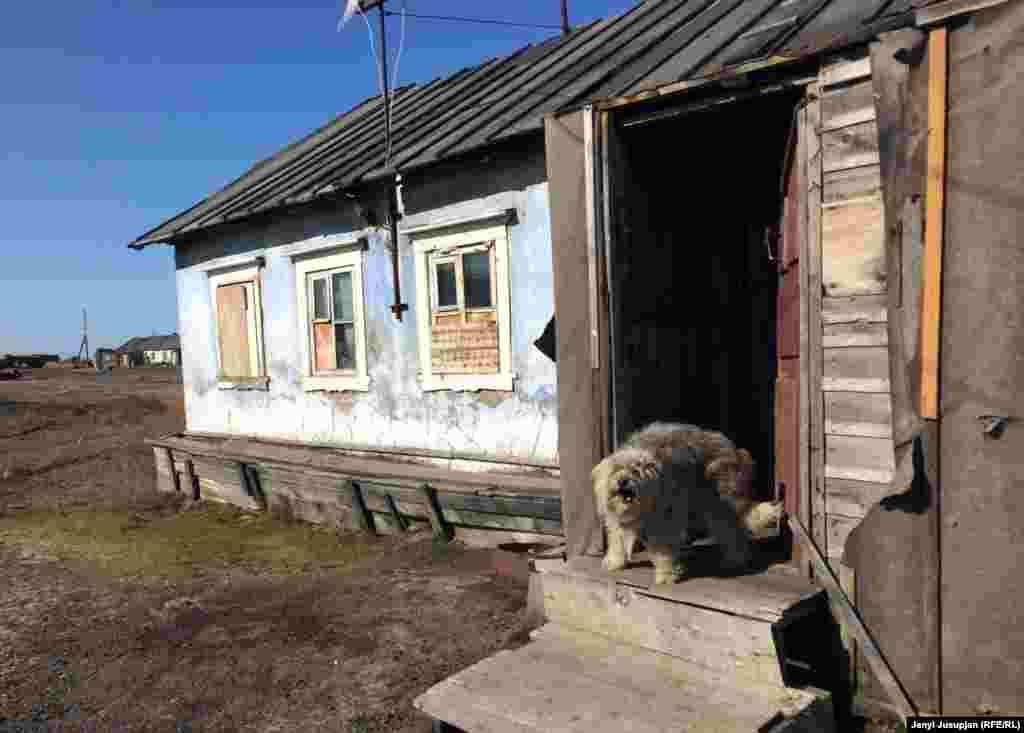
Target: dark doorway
695	272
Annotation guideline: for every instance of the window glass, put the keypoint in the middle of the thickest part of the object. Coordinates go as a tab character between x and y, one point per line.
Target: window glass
476	273
342	286
321	306
345	345
446	293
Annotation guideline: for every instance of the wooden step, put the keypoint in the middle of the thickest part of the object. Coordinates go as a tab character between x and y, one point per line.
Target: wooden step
721	624
570	680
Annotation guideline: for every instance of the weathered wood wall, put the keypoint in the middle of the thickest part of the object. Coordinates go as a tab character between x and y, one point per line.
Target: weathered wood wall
293	484
851	337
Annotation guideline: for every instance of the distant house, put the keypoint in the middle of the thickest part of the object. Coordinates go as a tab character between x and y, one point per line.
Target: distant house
147	350
28	361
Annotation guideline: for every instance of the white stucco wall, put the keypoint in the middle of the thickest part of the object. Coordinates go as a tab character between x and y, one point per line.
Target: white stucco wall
395	413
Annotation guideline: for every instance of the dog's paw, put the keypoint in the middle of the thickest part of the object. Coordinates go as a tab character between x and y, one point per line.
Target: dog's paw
613	562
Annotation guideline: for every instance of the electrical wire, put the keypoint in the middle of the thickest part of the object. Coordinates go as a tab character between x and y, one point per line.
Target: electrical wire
401	44
394	79
380	80
476	20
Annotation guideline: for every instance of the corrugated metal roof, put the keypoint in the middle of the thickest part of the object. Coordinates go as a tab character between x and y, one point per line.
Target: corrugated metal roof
150	343
656	42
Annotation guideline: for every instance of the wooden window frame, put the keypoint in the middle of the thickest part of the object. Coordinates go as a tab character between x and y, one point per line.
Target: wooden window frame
452	242
250	276
347	380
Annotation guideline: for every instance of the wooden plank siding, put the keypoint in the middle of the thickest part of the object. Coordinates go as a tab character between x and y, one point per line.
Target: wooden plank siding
326	495
859	459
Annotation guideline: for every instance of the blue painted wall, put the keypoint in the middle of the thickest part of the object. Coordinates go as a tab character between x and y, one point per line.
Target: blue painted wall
395	413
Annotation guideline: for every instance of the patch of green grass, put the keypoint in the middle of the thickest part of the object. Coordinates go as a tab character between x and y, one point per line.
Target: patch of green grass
122	545
360	725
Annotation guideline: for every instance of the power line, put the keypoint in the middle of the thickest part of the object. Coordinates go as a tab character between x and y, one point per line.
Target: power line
474	20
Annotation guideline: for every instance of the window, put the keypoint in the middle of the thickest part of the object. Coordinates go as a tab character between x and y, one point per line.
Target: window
236	297
463	309
331	306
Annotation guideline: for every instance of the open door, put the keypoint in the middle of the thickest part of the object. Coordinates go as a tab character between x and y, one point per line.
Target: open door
787	373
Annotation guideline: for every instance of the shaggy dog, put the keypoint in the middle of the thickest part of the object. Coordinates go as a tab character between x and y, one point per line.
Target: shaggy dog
671	483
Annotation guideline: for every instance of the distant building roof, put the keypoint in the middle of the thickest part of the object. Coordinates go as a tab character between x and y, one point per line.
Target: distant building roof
655	43
150	343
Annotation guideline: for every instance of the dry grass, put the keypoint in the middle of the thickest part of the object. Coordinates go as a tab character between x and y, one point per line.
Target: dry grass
130	544
167	613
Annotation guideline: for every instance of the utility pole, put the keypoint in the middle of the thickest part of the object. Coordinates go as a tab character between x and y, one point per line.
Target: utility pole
83	350
565	17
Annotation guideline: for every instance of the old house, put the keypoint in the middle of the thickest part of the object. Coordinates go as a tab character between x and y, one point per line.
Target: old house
150	351
751	215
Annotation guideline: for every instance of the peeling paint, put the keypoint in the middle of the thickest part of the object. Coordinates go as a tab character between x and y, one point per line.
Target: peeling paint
395	412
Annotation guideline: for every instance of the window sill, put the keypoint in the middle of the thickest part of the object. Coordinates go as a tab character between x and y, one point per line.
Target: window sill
467	382
259	384
336	384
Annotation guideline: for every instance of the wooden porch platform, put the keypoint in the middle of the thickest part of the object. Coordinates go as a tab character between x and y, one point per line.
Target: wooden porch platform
571	680
618	654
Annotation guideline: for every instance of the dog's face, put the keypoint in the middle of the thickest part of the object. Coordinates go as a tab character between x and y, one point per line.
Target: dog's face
618	480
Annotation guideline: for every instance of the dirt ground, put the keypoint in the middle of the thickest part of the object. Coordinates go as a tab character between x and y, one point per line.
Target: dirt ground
123	609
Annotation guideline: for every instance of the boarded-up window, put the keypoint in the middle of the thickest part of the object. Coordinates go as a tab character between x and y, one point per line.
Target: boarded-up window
236	329
332	320
464	322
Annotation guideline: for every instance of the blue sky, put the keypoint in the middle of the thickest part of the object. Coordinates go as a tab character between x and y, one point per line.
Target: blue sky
117	114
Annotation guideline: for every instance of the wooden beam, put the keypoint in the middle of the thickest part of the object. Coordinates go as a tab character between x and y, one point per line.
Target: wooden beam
589	209
851	620
938	12
401	521
931	303
193	482
174	473
363	516
813	294
442	530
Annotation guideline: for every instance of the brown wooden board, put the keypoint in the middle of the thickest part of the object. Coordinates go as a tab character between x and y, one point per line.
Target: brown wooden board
582	415
325	459
982	372
850	147
856	369
850	498
615	687
803	502
850	104
764	596
853	183
857	458
814	290
853	248
788	312
855	334
233	330
867	415
855	309
720	642
787	433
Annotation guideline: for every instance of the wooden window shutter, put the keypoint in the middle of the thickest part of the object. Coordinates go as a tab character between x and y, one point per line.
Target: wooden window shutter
233	330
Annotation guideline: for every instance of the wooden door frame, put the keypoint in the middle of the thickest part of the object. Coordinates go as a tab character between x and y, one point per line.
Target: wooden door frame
581	176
